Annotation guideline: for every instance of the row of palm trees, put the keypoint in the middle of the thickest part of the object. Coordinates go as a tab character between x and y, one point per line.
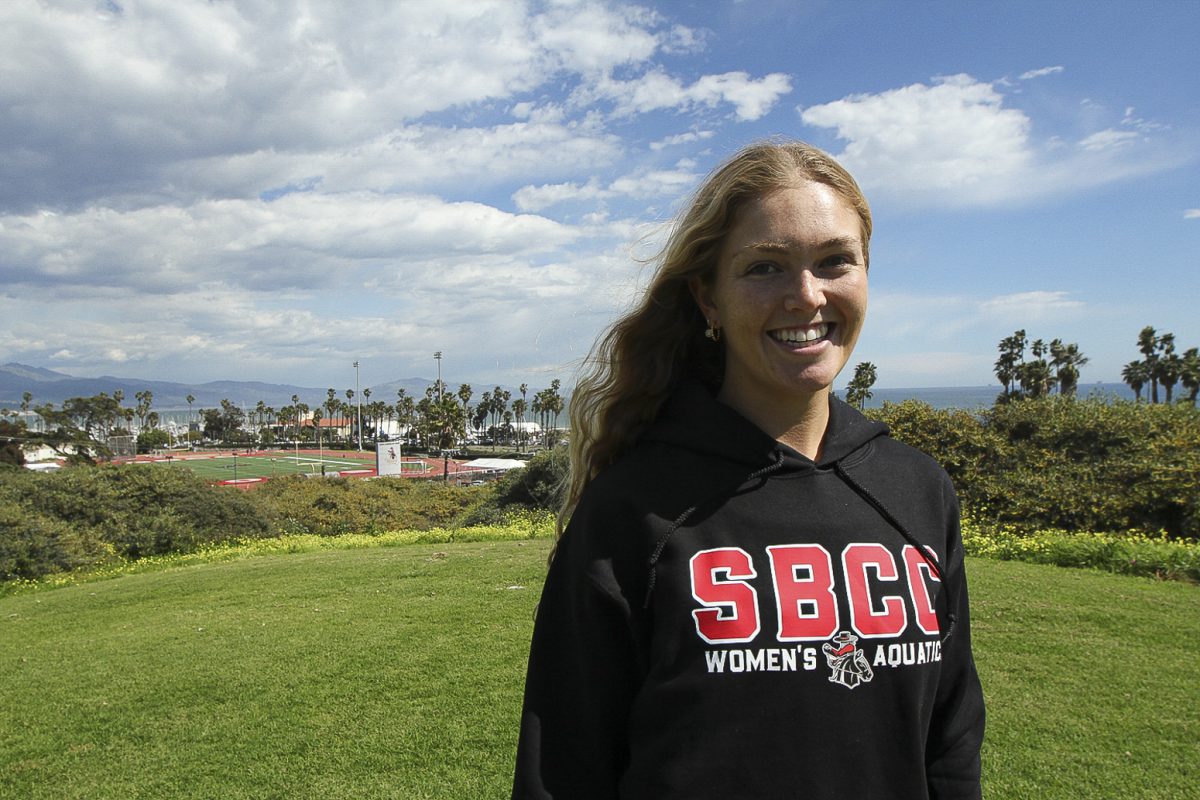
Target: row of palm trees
1038	376
1162	367
439	419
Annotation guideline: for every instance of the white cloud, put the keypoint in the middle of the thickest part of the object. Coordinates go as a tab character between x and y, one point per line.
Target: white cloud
1192	213
954	143
536	198
1040	73
751	98
180	100
642	184
1034	306
271	246
953	136
655	183
682	138
590	38
1107	140
265	187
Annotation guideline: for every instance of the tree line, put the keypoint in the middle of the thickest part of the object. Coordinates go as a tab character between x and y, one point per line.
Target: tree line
1161	366
83	428
1054	367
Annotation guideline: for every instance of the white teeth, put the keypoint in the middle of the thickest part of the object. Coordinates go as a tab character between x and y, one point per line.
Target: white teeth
802	335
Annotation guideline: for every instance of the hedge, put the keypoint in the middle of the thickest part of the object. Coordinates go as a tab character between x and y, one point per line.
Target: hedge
1081	465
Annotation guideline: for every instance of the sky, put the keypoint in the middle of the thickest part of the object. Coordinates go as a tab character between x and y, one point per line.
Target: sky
273	190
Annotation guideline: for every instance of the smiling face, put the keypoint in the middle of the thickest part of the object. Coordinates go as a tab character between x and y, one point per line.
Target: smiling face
790	296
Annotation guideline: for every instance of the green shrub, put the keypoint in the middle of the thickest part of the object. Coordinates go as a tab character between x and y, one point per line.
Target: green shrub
1130	553
1085	465
1095	465
132	511
333	506
540	484
969	451
32	546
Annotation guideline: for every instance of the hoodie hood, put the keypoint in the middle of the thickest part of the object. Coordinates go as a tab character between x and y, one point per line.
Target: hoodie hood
693	420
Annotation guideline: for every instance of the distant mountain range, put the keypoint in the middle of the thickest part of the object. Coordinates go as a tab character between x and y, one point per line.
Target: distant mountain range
54	387
48	386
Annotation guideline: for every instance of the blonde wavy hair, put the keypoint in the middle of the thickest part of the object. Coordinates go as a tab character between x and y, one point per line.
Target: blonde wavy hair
640	360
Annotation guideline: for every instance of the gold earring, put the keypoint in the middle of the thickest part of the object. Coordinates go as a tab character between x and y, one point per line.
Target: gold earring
713	334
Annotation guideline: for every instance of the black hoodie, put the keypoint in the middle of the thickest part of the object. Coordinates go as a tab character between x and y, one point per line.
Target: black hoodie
725	618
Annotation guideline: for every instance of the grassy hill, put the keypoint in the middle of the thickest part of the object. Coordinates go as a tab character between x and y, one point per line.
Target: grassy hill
397	672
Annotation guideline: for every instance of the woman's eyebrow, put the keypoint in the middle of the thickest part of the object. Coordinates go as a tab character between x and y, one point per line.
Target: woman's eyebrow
781	246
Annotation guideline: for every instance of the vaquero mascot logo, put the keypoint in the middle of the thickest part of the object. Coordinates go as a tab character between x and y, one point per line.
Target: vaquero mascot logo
847	663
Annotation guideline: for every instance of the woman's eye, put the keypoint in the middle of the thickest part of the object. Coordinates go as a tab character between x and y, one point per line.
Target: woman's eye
837	262
761	268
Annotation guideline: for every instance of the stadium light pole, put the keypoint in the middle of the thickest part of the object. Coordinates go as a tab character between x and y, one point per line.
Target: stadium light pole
358	395
438	356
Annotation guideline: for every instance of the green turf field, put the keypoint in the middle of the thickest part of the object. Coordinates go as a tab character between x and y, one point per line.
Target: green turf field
223	468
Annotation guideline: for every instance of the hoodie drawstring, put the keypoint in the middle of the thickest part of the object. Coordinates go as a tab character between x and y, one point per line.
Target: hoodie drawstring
661	544
932	561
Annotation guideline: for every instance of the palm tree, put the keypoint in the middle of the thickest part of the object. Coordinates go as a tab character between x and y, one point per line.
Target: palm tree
331	407
464	394
301	413
1148	345
144	399
556	401
1066	361
26	400
296	411
404	411
366	395
1167	368
1034	376
518	407
536	408
1012	352
190	399
505	396
858	392
1189	372
443	421
1136	374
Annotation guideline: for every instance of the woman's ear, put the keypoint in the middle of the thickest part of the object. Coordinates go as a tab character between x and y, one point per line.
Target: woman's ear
702	294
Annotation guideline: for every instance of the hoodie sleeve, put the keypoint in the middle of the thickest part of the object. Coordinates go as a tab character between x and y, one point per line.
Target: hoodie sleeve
582	677
956	730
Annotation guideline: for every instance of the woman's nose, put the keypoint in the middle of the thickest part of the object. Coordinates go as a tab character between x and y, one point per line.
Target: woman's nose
805	292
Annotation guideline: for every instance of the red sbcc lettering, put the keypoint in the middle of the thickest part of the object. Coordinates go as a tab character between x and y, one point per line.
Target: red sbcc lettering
805	592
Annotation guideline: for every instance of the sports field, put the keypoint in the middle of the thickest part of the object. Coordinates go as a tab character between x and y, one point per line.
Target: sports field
255	466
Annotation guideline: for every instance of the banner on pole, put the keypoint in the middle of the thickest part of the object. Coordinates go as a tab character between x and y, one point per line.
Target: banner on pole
387	458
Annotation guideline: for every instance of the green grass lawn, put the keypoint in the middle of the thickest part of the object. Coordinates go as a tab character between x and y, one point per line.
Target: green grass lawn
397	672
222	468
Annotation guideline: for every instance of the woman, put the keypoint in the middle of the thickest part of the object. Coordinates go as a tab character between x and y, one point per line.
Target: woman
759	593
